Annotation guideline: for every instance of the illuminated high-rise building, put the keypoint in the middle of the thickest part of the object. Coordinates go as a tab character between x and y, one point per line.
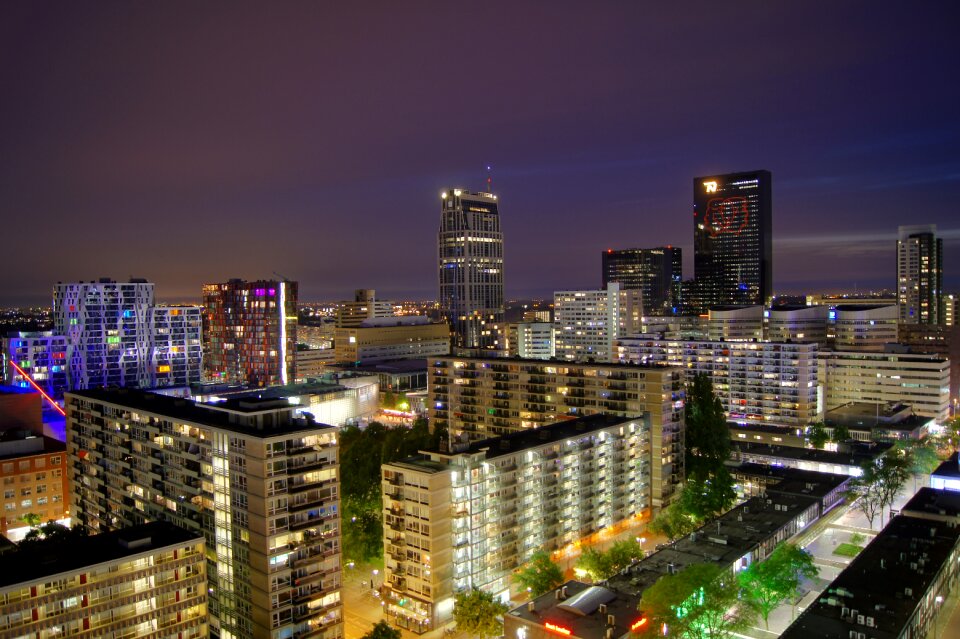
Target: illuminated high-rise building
657	273
732	238
920	274
250	332
470	260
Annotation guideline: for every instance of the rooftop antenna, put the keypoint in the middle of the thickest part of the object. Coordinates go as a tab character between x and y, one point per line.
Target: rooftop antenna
282	277
489	179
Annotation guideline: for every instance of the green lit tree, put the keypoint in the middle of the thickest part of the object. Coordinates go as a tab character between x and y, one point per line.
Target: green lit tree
478	614
623	553
595	564
539	575
767	584
382	630
673	522
840	433
702	601
707	495
817	435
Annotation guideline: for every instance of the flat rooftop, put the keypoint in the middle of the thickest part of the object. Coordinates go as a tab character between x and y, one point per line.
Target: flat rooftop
547	607
221	415
506	361
396	367
46	559
47	445
949	468
885	582
930	501
859	453
722	541
795	481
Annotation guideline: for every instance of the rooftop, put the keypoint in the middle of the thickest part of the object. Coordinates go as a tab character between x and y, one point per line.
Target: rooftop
506	361
55	558
930	502
949	468
859	452
548	608
794	481
885	583
29	447
233	415
399	366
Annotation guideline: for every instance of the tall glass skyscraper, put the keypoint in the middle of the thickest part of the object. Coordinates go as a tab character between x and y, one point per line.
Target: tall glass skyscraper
732	238
920	275
656	272
470	260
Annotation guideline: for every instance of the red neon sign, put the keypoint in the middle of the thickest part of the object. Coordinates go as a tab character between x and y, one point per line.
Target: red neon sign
23	374
638	624
560	630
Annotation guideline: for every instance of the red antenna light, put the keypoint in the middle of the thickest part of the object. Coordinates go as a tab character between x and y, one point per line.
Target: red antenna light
23	374
489	180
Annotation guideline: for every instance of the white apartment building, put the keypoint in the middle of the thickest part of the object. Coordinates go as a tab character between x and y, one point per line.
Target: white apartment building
531	340
455	521
921	381
765	382
864	327
176	352
735	323
586	323
796	324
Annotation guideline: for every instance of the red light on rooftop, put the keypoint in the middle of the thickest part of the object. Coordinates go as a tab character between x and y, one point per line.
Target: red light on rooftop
639	623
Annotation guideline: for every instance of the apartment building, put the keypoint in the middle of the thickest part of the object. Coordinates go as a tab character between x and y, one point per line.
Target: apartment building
586	323
756	381
145	581
920	381
468	519
531	340
476	398
261	487
735	323
796	324
388	339
864	327
176	354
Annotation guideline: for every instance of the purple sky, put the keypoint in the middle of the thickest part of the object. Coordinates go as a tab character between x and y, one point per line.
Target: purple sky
194	142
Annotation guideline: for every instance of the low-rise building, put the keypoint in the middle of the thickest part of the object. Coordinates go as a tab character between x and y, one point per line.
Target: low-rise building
468	519
878	422
145	581
313	362
894	588
947	474
386	339
847	462
578	611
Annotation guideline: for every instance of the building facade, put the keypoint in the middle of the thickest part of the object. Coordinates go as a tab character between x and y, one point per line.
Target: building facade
586	323
260	486
863	327
735	323
919	274
475	399
765	382
176	353
655	272
531	340
732	238
40	355
391	338
250	332
796	324
470	260
364	306
469	519
144	581
920	381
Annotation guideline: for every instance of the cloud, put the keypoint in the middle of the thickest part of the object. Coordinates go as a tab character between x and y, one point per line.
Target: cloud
850	244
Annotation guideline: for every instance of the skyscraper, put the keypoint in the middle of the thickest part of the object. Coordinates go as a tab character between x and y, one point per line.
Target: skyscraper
732	238
586	323
656	272
470	261
920	274
250	332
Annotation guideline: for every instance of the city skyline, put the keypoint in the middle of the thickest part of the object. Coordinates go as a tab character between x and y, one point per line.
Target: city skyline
214	132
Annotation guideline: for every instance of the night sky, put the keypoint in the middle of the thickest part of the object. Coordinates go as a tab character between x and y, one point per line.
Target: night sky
194	142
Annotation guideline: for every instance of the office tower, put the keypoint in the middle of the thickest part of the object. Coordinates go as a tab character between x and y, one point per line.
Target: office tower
145	581
250	332
107	325
261	486
470	260
531	340
364	306
732	238
586	323
919	274
469	519
759	382
176	356
387	339
735	323
951	307
657	273
477	398
920	381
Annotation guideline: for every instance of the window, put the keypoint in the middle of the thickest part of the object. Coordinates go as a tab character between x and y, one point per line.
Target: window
41	501
11	506
55	461
9	494
57	498
26	503
25	465
25	492
7	468
57	473
42	488
41	476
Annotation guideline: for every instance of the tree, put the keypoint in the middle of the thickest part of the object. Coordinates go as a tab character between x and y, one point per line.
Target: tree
817	435
707	434
50	534
673	522
478	614
840	433
767	584
382	630
699	602
595	564
623	553
539	575
893	472
865	492
707	495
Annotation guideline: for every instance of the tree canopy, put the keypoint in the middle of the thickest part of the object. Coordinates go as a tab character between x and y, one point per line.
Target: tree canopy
600	565
382	630
539	575
478	614
707	434
699	602
767	584
817	435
